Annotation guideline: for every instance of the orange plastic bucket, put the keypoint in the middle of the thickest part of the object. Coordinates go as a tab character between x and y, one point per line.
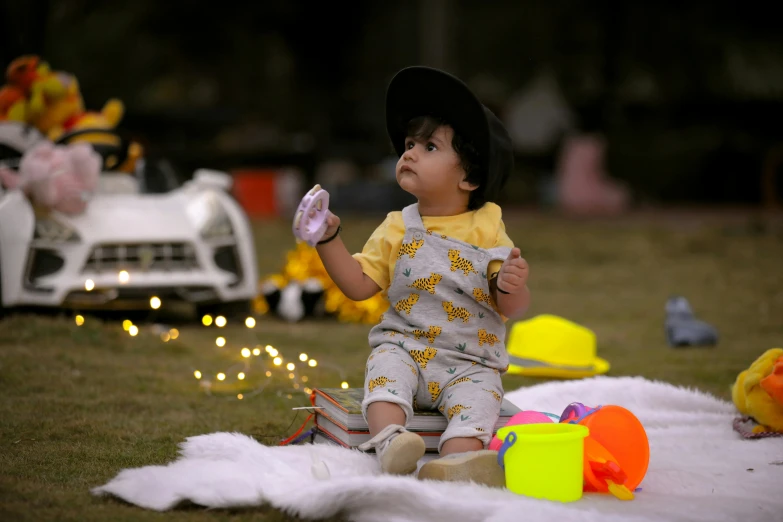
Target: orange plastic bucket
616	435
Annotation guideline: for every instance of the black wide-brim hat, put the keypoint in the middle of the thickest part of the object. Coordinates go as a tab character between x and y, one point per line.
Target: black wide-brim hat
424	91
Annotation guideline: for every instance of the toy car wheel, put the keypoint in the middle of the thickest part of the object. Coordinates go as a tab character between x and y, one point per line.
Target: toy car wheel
229	309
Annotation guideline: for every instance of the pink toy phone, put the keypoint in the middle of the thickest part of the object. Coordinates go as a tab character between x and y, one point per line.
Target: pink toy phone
310	218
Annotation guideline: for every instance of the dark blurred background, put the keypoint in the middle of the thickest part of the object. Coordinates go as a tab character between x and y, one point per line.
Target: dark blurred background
687	96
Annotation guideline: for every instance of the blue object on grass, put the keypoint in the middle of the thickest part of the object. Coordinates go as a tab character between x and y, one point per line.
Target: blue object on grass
682	327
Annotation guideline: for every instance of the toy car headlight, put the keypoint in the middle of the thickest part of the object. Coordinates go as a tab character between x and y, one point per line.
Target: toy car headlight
219	226
209	216
49	229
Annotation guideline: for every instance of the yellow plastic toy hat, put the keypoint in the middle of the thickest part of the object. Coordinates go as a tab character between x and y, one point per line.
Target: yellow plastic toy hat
550	346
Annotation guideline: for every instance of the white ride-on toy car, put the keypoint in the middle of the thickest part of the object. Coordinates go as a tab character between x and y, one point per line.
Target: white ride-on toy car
192	243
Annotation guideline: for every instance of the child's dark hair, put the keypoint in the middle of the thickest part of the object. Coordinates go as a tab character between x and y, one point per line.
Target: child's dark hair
423	127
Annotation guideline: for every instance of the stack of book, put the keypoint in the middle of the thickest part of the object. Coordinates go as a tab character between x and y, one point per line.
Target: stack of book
339	420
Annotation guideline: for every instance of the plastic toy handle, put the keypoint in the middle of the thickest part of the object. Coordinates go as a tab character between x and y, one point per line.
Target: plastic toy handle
310	217
575	410
611	473
608	471
511	438
619	491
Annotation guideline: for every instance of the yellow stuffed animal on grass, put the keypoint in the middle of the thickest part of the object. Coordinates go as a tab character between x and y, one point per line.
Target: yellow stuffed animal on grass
758	391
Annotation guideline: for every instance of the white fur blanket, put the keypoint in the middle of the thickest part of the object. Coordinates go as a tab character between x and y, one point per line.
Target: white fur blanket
700	469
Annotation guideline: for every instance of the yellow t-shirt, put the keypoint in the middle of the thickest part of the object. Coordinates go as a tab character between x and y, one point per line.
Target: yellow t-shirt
483	227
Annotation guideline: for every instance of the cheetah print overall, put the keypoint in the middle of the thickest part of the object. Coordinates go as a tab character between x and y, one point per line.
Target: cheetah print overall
441	344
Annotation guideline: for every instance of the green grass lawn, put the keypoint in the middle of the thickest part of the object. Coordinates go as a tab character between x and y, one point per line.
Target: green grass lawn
79	403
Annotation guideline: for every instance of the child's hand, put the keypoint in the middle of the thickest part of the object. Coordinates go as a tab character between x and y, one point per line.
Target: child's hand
332	224
513	273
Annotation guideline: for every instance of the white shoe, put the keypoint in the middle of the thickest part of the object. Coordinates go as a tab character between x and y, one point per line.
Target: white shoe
480	467
398	449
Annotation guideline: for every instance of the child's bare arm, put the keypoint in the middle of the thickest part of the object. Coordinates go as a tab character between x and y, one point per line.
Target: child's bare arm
345	271
509	289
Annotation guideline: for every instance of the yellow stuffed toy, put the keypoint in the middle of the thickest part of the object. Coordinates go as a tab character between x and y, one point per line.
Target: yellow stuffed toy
52	103
758	391
30	86
47	89
61	111
67	115
303	263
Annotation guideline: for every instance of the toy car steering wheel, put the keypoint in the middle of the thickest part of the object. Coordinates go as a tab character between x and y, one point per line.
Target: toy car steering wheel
310	218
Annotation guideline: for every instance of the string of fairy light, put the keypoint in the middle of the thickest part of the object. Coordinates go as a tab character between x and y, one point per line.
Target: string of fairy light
277	359
240	370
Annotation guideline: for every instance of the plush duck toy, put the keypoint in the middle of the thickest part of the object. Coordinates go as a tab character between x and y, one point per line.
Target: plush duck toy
758	391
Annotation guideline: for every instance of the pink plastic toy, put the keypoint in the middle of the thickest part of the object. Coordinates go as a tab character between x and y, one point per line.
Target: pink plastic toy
523	417
310	218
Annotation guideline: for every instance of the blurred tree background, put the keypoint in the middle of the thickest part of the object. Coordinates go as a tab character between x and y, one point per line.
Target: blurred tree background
689	96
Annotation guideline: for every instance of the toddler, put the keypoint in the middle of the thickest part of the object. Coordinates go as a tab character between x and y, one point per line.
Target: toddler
452	277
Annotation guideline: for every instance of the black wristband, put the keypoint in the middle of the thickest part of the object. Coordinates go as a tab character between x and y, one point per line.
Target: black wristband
494	276
339	228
